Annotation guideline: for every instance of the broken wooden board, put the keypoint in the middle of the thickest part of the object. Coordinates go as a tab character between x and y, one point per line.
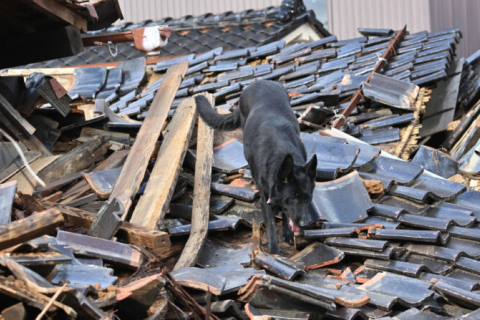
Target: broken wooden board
88	133
54	186
76	160
137	161
201	195
7	194
34	226
25	181
115	160
127	232
155	202
30	141
55	94
15	117
18	165
37	300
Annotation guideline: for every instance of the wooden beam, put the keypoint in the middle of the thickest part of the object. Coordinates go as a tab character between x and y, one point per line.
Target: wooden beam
136	164
201	195
127	232
59	12
76	160
34	226
155	202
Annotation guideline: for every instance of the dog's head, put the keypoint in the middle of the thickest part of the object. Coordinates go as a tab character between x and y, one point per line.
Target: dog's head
294	188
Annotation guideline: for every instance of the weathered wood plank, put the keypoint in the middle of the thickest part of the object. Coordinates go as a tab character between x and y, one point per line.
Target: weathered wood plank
7	194
55	94
15	117
155	202
54	186
76	160
111	135
127	232
34	226
25	181
201	195
137	161
18	165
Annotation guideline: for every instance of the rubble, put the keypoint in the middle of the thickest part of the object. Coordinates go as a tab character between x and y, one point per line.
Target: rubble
108	186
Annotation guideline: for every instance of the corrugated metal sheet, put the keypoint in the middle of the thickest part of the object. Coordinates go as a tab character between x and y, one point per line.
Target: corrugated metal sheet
345	16
139	10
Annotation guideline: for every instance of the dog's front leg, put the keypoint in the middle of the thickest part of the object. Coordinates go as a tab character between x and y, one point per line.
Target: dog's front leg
287	232
269	217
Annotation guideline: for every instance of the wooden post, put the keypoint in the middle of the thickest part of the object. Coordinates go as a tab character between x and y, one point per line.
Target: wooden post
201	195
76	160
155	202
136	164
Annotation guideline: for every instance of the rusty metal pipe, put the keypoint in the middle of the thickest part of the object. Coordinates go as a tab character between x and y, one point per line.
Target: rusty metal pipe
340	121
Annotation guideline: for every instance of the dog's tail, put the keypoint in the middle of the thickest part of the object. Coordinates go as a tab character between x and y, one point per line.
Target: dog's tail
222	122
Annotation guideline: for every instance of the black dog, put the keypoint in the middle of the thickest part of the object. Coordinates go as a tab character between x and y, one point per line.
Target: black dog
274	151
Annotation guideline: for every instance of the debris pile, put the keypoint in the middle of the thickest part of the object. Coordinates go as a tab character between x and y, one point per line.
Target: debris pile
131	207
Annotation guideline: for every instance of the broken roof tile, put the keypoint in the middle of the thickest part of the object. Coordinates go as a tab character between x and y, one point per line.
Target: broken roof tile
411	292
339	210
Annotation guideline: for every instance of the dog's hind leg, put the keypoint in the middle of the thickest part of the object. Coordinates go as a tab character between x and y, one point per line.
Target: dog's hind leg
287	233
269	218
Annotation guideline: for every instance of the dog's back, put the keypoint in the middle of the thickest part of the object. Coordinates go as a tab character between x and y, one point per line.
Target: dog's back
273	149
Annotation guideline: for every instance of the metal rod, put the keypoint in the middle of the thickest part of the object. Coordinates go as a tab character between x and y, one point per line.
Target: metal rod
382	62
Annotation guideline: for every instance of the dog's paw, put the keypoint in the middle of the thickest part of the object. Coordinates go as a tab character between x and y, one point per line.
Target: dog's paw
288	237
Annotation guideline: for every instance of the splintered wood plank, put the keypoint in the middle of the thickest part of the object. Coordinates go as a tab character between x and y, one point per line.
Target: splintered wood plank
201	195
34	226
111	135
52	91
136	164
25	181
76	160
127	232
155	202
16	117
115	160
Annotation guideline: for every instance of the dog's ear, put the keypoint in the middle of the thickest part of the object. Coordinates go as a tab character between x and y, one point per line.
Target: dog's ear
286	168
311	167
